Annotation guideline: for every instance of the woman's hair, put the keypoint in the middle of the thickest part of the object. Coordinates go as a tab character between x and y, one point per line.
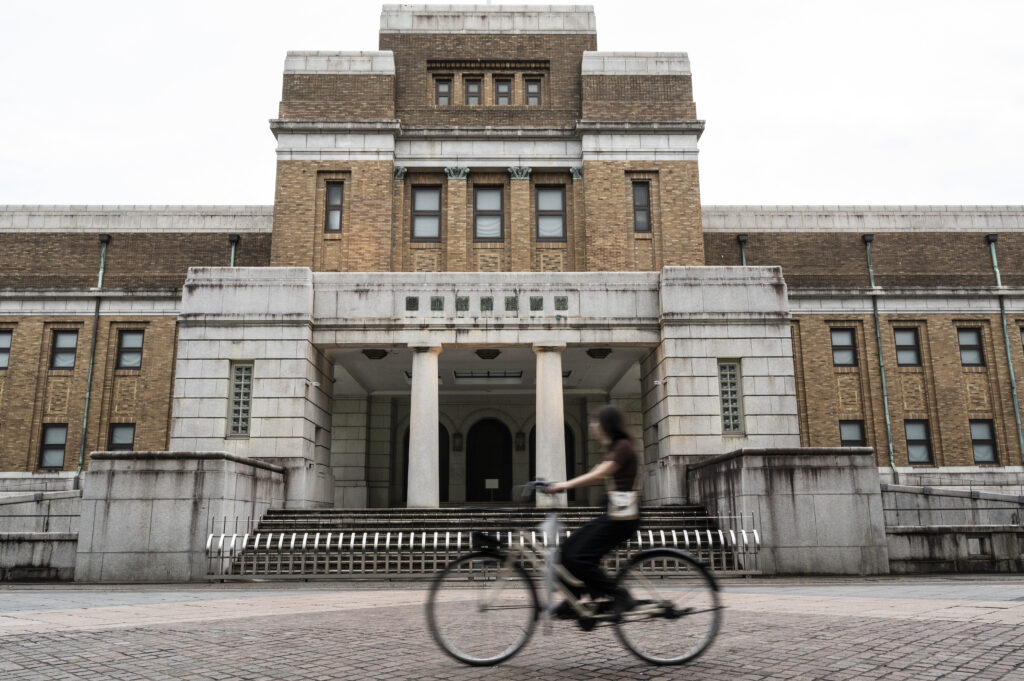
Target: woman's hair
612	423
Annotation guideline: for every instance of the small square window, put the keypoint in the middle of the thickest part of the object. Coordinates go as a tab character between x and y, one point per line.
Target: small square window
970	347
129	349
536	303
641	206
51	450
332	208
473	91
442	91
551	213
851	434
908	352
486	304
919	444
426	213
502	91
461	303
412	304
65	346
511	304
844	348
561	303
122	437
436	303
983	441
532	91
5	348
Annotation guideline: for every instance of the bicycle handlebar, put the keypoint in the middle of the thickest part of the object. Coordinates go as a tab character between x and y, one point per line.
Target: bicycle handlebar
525	491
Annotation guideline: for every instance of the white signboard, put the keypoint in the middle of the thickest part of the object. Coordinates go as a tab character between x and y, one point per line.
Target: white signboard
491	483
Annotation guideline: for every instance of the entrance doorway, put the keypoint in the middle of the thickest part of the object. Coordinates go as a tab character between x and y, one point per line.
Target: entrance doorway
570	458
488	462
442	465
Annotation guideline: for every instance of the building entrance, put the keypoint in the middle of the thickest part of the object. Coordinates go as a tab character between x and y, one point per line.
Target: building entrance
488	462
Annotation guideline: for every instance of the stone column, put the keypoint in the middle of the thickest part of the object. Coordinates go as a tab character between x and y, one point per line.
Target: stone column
424	485
456	237
550	420
519	230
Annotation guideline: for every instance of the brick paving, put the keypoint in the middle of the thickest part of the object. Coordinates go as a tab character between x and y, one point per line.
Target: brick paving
841	632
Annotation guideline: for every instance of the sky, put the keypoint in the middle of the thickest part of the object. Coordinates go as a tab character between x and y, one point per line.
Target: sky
805	102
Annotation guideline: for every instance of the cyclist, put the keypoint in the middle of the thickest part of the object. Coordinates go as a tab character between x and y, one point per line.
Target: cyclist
583	550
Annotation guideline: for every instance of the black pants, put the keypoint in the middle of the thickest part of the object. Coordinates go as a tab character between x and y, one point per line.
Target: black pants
583	550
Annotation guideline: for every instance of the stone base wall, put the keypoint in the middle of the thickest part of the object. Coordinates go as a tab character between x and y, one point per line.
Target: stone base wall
952	548
41	512
32	556
993	479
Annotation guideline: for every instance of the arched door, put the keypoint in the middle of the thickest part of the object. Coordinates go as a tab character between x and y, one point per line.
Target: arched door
570	457
488	458
442	465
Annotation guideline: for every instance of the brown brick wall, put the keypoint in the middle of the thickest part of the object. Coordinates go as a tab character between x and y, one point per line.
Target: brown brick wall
32	394
638	98
675	237
900	259
342	96
134	260
414	102
941	391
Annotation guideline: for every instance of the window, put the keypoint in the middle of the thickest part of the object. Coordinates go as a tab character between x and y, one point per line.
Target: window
919	446
729	389
503	91
473	91
970	347
983	441
907	352
488	215
5	349
122	437
51	451
844	348
426	213
65	345
241	397
129	349
533	91
332	212
851	434
551	213
443	91
641	206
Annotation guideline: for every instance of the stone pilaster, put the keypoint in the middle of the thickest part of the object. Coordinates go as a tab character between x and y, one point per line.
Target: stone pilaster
424	483
456	235
521	224
550	420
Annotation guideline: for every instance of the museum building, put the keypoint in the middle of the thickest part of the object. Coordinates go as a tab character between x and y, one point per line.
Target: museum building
481	233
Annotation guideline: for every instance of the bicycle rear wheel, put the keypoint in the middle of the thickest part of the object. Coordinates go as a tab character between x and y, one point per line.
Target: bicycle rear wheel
482	608
677	612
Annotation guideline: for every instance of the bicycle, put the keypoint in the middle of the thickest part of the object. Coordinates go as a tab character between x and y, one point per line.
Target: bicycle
483	608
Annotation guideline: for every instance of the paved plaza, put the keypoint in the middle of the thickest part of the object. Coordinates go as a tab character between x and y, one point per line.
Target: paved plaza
938	628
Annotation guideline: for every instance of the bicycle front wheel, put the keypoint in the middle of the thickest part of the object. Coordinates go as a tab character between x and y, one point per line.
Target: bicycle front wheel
482	608
677	611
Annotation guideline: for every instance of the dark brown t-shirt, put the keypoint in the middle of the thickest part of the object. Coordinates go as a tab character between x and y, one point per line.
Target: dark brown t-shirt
625	458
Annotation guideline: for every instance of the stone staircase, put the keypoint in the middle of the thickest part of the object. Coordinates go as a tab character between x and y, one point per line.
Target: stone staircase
401	543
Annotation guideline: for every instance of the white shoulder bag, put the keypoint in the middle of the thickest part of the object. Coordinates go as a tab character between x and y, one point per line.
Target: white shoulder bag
624	505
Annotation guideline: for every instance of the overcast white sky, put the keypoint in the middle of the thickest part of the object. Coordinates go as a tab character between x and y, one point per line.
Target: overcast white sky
806	102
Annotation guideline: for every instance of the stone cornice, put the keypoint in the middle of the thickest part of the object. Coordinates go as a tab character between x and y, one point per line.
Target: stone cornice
279	125
589	127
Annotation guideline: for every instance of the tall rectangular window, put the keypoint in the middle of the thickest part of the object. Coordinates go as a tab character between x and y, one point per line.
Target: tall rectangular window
122	437
970	347
532	91
983	441
5	348
844	348
442	91
241	397
851	434
502	91
488	214
129	349
426	213
65	346
51	450
641	206
473	91
332	209
908	352
729	390
550	213
919	443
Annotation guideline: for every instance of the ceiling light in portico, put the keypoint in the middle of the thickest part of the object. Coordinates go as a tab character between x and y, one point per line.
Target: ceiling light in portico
599	353
375	353
487	353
